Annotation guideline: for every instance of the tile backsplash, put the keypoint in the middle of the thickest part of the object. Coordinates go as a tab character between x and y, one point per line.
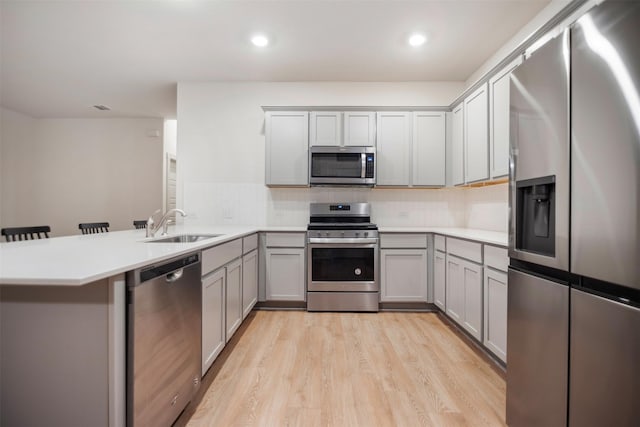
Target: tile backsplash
487	208
247	203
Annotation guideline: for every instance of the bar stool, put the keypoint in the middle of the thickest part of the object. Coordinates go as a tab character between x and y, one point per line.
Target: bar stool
94	227
13	234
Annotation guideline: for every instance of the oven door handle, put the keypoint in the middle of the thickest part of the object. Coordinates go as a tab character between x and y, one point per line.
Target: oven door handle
343	240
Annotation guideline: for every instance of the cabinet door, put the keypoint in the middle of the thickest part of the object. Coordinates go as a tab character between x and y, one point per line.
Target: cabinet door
429	149
234	297
457	144
472	317
499	121
476	135
325	128
454	289
213	317
285	274
360	128
393	148
287	145
495	312
249	282
403	275
439	282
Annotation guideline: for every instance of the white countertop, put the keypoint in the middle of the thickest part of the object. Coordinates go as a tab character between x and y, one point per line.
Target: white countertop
483	236
78	260
82	259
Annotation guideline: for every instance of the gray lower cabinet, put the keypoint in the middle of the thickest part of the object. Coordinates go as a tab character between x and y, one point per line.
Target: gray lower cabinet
249	281
221	298
285	274
464	294
233	297
496	264
495	312
285	277
213	316
439	276
403	275
472	276
454	288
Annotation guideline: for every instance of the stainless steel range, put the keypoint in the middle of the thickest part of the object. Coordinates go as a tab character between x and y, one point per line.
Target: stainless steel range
342	258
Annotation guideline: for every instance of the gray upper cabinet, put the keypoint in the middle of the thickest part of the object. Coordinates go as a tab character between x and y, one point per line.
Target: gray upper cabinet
287	148
476	135
393	148
325	128
335	128
499	118
429	149
457	144
360	128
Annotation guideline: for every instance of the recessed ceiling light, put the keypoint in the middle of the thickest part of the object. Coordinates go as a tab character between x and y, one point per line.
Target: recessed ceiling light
417	39
260	40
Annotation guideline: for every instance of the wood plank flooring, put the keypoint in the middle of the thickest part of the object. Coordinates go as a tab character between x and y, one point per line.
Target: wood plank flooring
293	368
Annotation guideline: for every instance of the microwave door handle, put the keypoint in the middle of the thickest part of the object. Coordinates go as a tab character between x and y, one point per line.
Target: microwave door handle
363	171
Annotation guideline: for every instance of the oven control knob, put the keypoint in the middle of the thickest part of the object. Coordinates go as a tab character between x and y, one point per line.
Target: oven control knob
357	234
342	234
326	234
357	271
366	234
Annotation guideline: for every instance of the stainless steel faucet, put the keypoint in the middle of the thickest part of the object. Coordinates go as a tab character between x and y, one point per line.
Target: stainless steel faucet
164	222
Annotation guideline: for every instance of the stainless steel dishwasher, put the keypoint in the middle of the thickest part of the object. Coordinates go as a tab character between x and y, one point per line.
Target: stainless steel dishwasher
163	340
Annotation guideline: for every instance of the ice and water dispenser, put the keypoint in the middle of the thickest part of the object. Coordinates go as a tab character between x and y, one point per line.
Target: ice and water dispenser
535	205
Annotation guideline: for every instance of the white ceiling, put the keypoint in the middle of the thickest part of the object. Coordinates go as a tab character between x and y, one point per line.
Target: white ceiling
58	58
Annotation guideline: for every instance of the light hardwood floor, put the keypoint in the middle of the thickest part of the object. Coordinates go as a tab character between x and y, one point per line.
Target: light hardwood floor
351	369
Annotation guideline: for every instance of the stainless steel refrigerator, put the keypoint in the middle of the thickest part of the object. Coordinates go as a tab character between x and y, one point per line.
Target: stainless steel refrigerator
573	336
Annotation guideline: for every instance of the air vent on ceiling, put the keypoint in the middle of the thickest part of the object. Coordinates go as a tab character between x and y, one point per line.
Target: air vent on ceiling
102	107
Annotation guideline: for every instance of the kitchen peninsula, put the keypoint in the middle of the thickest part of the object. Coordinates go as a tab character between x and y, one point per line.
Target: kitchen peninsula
63	316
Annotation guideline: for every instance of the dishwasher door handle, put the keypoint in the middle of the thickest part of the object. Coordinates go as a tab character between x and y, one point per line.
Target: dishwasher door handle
174	275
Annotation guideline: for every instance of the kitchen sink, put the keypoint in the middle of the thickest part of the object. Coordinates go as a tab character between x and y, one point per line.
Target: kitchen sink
184	238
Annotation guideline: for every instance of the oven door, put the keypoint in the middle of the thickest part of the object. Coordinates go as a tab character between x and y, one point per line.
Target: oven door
348	265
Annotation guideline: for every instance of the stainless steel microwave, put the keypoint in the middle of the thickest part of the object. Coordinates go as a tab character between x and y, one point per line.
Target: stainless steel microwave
342	166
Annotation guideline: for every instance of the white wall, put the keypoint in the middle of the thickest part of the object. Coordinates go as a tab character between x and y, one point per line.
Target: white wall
16	132
170	141
61	172
221	154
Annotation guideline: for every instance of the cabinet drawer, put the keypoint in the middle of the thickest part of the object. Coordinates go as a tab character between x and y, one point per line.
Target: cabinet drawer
465	249
439	243
220	255
402	241
286	240
496	257
249	243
